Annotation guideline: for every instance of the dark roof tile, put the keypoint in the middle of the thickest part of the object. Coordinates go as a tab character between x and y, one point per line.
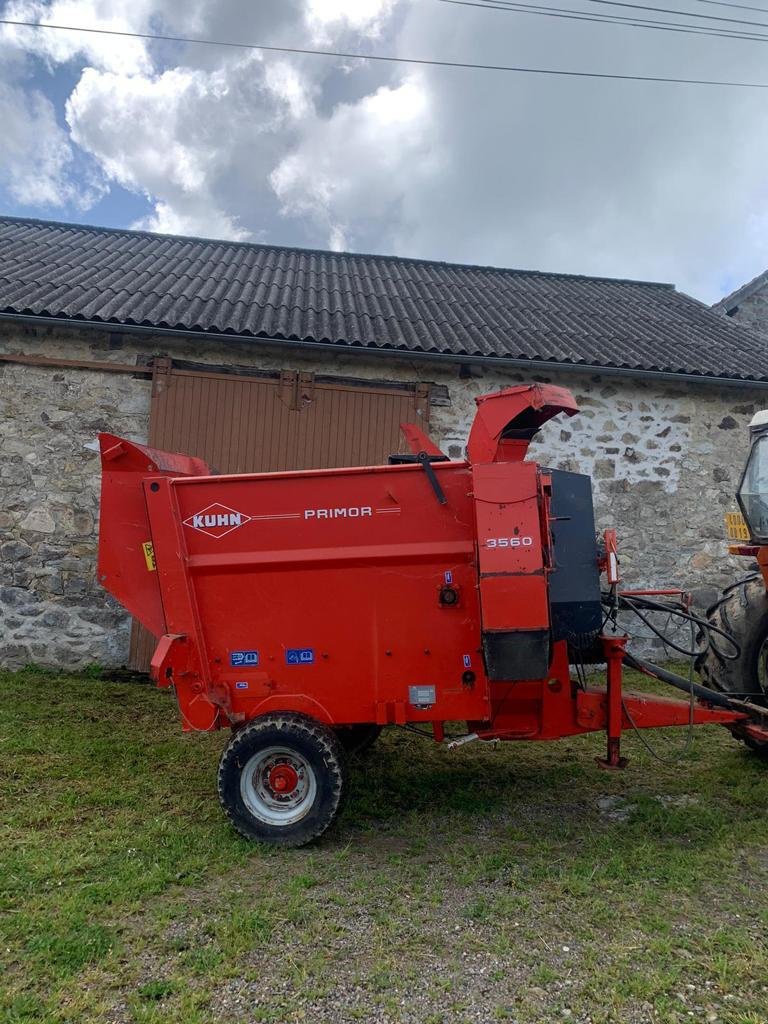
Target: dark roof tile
360	301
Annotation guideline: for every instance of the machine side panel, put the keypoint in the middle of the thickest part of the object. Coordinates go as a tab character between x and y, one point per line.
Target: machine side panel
327	587
512	578
574	585
126	565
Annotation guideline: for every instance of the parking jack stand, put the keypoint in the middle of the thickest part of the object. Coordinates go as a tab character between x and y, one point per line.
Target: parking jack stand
614	647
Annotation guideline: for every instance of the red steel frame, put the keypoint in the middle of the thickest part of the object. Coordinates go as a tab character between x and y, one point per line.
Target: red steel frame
349	569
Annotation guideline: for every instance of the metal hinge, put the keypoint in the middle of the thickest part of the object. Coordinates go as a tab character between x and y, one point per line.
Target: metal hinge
305	392
297	390
422	394
161	375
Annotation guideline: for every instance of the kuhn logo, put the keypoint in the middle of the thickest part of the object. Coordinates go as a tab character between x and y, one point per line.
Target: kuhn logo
217	520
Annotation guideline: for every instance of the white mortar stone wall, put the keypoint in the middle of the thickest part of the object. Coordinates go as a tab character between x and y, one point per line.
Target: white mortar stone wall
665	460
752	311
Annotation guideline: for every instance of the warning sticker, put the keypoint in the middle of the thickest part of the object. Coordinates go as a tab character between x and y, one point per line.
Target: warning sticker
243	659
300	656
149	555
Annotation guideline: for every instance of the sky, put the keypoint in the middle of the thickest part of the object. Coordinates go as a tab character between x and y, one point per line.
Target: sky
622	179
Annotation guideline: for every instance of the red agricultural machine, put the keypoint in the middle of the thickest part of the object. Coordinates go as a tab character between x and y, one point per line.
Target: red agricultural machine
307	610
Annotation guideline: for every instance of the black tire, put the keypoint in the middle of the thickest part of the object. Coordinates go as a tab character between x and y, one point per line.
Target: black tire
357	739
276	751
742	612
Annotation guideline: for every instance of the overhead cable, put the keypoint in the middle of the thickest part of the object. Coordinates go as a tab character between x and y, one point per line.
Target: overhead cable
571	14
389	58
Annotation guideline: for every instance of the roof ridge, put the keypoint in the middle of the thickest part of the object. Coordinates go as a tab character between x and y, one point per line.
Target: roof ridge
742	292
489	268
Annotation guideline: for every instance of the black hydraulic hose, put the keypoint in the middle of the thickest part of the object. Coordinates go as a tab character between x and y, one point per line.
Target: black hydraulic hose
683	613
719	700
667	641
637	602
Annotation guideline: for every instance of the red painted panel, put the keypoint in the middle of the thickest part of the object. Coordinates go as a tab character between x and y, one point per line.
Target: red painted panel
513	584
347	565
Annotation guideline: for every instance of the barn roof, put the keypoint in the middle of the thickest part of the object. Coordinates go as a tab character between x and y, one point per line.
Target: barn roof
353	301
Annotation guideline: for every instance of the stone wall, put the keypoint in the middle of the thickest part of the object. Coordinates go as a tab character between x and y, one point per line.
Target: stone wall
751	311
665	459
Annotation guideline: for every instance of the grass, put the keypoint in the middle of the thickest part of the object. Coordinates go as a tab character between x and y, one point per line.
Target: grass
518	884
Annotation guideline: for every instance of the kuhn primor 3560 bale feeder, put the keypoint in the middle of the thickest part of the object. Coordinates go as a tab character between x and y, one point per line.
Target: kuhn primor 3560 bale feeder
306	610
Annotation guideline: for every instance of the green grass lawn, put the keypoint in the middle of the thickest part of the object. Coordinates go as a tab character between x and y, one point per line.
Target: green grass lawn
520	883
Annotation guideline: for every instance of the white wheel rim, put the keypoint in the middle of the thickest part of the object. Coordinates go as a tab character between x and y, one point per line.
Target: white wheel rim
259	786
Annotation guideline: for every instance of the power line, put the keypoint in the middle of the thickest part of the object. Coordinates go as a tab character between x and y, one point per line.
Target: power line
425	62
667	10
740	7
685	14
512	7
570	14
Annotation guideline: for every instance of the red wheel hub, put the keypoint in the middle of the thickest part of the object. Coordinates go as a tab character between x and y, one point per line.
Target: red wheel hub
283	779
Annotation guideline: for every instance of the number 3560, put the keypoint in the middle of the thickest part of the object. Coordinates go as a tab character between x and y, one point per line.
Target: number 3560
509	542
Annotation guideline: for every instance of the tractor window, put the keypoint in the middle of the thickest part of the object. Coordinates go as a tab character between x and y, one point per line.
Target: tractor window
753	492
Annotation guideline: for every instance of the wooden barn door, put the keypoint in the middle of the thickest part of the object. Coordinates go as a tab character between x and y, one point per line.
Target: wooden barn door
264	423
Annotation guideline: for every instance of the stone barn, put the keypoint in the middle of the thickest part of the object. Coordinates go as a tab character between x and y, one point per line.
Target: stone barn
748	305
257	357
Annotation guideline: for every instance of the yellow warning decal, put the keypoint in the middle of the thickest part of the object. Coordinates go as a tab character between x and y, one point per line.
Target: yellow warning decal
735	527
149	555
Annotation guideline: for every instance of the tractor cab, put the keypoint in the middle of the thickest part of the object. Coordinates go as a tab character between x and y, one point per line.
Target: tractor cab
742	609
752	494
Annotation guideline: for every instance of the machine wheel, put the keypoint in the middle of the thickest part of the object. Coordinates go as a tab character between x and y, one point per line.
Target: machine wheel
358	739
281	779
743	613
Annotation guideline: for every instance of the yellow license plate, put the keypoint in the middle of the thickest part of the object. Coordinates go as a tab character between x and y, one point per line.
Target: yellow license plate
735	526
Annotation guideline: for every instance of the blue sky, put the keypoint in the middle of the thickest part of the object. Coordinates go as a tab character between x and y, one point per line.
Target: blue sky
118	207
617	179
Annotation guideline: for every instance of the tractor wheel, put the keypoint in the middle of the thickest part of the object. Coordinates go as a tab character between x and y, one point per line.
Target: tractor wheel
742	612
358	739
282	779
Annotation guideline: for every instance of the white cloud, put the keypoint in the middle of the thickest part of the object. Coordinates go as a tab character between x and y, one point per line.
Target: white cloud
36	158
190	139
326	18
352	169
289	86
35	154
178	220
165	136
622	179
128	56
135	126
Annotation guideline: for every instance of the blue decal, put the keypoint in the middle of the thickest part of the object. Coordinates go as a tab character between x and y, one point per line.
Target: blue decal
300	656
467	661
241	686
244	659
448	576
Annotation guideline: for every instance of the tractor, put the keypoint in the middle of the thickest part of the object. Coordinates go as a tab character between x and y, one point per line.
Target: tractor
742	610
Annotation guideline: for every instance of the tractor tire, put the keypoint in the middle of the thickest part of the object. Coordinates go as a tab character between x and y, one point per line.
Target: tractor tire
358	739
742	612
282	779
